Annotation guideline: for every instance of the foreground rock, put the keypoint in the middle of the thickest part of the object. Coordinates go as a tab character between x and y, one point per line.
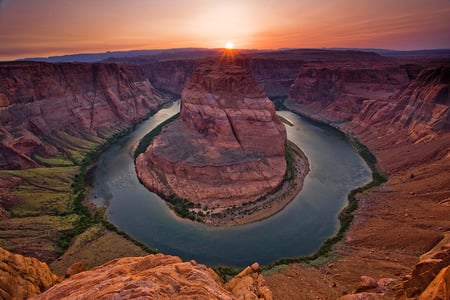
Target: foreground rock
439	288
227	147
22	277
429	266
156	277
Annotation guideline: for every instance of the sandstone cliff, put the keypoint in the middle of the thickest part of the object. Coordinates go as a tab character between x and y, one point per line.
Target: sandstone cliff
227	148
422	107
274	71
338	90
23	277
158	277
39	99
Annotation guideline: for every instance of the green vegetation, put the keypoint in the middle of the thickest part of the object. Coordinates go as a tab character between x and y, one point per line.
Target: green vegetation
290	168
56	161
78	193
147	139
226	272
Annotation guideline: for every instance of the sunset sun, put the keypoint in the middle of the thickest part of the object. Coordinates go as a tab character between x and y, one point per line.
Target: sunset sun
229	45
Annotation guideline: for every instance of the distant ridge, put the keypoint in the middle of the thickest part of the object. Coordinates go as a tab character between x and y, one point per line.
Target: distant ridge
96	57
186	53
387	52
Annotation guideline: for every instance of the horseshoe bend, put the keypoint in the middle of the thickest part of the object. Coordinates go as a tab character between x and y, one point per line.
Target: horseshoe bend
225	153
53	115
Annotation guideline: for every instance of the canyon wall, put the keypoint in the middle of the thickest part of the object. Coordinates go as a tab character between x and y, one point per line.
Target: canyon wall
51	116
39	99
274	75
340	89
404	122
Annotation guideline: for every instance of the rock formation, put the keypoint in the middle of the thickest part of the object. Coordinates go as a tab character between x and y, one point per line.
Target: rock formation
157	277
429	266
439	288
338	90
38	99
422	107
226	148
23	277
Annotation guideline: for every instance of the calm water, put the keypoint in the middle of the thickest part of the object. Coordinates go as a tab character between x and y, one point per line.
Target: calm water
299	229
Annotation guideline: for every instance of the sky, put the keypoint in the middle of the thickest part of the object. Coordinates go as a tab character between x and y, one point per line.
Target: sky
32	28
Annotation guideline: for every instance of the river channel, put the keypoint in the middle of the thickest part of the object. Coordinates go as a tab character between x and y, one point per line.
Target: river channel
297	230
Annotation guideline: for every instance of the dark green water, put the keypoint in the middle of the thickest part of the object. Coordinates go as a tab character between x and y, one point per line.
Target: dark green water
297	230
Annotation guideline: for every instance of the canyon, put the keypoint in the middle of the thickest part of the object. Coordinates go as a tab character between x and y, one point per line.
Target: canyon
53	114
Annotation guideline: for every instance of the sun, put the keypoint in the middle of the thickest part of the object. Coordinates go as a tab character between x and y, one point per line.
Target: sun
229	45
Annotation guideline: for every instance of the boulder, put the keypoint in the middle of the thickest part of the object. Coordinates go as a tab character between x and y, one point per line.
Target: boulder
23	277
429	266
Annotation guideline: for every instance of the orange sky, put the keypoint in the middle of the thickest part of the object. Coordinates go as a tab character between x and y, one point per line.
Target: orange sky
30	28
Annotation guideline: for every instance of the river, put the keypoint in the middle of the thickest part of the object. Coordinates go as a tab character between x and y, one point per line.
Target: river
297	230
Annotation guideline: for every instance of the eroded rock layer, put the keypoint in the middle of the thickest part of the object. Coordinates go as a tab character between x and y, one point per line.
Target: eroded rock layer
158	277
40	99
226	148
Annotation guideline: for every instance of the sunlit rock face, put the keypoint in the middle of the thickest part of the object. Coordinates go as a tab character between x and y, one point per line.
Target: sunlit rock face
23	277
226	148
158	276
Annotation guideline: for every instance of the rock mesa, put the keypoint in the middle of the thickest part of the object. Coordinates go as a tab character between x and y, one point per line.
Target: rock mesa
226	148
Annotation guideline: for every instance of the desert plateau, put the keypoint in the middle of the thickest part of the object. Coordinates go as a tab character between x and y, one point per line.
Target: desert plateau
304	159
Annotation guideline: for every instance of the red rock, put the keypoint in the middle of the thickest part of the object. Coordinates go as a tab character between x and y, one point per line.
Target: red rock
429	266
75	268
338	90
23	277
361	296
226	148
155	277
38	99
439	288
367	283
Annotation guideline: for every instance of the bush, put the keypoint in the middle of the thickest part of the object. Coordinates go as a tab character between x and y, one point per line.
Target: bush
147	139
